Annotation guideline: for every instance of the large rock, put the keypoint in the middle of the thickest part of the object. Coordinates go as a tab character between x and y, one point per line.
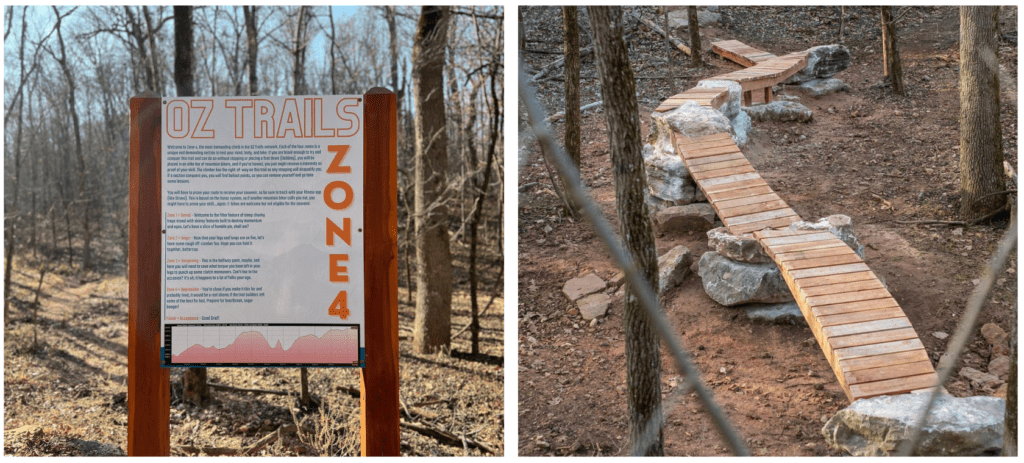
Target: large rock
668	181
582	286
594	306
681	18
741	126
691	217
776	314
999	367
822	61
822	87
731	107
839	225
732	283
689	119
673	267
957	426
779	111
980	379
743	248
997	339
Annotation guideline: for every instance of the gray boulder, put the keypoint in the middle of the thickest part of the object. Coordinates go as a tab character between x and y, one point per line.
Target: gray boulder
877	426
741	125
822	87
980	379
594	306
681	18
732	283
691	217
822	62
667	179
689	119
837	224
776	314
731	107
582	286
743	248
673	267
779	111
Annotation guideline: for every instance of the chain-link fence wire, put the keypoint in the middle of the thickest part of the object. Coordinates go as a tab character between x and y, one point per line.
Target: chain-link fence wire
680	356
964	332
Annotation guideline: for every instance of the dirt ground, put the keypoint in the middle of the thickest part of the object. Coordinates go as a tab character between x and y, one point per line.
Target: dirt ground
773	381
65	380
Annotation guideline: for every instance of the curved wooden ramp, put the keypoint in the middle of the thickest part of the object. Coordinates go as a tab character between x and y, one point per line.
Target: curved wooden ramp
740	53
766	74
866	337
710	97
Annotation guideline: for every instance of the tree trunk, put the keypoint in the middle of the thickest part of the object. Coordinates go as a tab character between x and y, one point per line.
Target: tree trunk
670	78
981	138
696	60
643	361
891	53
299	53
842	22
157	82
522	28
571	31
432	325
251	47
1010	430
194	382
11	215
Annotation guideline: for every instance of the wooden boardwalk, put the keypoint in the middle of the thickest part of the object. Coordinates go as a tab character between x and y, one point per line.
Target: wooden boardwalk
866	337
763	70
740	53
710	97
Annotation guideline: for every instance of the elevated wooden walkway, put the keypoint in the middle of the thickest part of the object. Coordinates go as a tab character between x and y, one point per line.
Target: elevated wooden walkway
740	53
766	74
866	337
710	97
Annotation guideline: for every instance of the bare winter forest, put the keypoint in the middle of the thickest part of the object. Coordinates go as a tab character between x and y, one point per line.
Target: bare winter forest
69	73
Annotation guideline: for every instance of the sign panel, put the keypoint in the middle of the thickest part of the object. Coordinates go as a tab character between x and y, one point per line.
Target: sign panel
263	252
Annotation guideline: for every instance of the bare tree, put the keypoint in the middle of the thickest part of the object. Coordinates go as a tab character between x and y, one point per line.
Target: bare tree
670	78
251	47
643	361
890	52
432	325
981	139
696	60
571	32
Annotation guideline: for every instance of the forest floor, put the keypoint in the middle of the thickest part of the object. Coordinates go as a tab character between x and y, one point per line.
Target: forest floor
66	373
773	381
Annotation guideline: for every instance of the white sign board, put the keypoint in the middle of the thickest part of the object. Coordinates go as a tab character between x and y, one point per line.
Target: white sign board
262	201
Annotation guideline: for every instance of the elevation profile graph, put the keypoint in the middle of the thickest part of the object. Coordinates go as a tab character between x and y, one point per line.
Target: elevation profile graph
261	345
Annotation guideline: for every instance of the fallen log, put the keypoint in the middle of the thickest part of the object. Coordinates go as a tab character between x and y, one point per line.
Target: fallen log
678	43
448	438
557	116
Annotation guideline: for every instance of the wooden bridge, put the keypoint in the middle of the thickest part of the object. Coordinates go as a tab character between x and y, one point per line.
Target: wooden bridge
866	337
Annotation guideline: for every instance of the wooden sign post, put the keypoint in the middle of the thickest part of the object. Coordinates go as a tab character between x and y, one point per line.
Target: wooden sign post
149	383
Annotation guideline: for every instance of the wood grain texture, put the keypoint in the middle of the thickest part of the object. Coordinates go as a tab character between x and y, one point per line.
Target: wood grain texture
149	397
380	434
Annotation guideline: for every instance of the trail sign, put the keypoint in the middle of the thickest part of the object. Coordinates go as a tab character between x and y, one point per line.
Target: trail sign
262	211
213	229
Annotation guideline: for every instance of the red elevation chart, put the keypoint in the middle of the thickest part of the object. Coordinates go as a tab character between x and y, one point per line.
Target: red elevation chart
261	345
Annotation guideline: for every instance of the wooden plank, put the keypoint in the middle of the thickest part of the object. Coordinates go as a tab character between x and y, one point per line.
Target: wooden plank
893	386
782	233
856	317
741	162
751	208
722	172
878	349
834	279
378	383
850	307
846	258
149	385
814	254
872	338
802	238
682	139
837	332
691	163
843	287
808	246
878	361
737	193
747	200
693	153
889	372
758	217
772	223
758	181
822	271
854	296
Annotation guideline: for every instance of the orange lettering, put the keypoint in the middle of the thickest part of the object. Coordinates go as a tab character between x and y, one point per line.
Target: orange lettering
344	232
331	203
338	272
340	305
339	156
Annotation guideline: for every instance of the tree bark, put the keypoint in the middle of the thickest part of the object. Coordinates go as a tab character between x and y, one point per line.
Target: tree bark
891	53
696	60
670	78
1010	429
643	361
251	47
11	215
432	324
981	139
299	53
522	28
571	31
